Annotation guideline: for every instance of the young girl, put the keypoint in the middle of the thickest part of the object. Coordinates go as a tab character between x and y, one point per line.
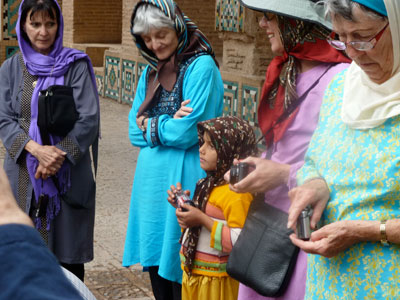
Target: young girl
211	228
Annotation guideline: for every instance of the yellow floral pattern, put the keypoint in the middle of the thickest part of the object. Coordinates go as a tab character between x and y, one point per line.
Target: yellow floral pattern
361	168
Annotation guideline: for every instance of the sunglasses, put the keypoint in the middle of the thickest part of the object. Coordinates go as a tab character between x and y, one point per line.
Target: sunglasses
269	16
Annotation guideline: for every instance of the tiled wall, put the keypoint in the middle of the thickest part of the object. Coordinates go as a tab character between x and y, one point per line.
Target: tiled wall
112	77
128	81
241	98
229	15
121	75
8	41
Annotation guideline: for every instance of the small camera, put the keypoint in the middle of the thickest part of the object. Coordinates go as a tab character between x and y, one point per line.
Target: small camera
182	198
238	172
303	224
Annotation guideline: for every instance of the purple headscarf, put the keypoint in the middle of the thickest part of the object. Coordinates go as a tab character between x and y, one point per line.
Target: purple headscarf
50	70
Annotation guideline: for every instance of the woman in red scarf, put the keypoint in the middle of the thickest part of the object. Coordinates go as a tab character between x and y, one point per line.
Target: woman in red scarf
289	108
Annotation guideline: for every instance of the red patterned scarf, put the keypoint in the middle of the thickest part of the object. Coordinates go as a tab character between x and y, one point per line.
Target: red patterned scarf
301	40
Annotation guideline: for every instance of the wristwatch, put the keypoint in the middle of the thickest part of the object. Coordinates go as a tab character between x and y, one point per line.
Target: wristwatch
382	229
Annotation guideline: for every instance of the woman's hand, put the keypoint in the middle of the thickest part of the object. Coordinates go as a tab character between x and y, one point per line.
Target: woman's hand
44	173
314	193
193	217
184	110
267	175
336	237
141	120
50	157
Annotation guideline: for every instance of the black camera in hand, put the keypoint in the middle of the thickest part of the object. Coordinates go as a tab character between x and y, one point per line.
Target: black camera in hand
303	224
238	172
182	198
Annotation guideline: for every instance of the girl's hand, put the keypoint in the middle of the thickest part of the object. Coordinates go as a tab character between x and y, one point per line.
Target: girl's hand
192	217
184	110
171	194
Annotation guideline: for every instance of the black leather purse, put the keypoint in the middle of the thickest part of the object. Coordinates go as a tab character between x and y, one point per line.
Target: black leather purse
57	112
263	257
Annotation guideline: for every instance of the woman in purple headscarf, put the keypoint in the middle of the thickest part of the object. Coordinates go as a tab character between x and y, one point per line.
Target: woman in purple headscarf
60	172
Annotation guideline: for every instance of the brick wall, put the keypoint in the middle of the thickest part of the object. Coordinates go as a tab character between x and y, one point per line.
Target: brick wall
68	14
97	21
203	14
127	41
247	53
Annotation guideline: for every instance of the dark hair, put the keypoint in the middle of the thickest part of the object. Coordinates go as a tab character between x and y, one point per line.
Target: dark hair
47	6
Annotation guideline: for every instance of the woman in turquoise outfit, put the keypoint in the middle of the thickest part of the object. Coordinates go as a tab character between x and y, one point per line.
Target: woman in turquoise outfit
180	87
351	171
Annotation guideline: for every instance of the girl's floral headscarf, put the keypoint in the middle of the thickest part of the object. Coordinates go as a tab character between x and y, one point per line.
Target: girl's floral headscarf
191	41
301	40
232	138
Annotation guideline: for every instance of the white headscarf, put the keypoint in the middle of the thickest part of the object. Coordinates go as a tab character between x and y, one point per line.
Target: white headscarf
367	104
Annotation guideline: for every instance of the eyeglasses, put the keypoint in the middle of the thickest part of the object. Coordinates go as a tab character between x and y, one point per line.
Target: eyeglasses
269	16
358	45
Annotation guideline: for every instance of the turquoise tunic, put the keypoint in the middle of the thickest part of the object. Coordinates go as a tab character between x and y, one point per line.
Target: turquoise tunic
169	154
361	168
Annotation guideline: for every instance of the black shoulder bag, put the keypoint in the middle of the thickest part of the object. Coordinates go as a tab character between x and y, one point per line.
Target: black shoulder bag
263	257
57	113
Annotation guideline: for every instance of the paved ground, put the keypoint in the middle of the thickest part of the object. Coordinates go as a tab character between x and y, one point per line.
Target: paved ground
105	276
117	161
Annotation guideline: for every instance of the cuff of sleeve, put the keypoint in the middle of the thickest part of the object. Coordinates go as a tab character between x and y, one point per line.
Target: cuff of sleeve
152	136
18	146
216	236
73	152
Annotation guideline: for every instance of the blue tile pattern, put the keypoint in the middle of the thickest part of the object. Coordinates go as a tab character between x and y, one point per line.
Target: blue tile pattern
10	16
100	85
250	99
141	67
112	77
128	81
231	93
11	50
229	16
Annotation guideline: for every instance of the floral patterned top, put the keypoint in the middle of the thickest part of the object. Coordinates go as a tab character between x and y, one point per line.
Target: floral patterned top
361	168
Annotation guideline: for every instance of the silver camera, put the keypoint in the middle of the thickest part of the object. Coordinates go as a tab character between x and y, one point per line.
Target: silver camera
182	198
303	224
238	172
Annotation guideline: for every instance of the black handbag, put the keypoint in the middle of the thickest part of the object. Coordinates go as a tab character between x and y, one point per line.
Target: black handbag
57	112
263	257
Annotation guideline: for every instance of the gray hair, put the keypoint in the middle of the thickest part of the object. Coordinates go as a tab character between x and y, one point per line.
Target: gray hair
345	8
150	17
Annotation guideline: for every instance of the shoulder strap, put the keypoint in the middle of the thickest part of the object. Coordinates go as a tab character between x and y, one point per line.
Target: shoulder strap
298	101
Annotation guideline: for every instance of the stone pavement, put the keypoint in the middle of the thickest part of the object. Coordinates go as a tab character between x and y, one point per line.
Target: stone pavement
105	276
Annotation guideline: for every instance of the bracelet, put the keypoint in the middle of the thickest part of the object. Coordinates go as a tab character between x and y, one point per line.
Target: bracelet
382	229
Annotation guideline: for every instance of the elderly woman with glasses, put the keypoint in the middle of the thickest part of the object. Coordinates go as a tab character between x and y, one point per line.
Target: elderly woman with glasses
296	79
351	171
